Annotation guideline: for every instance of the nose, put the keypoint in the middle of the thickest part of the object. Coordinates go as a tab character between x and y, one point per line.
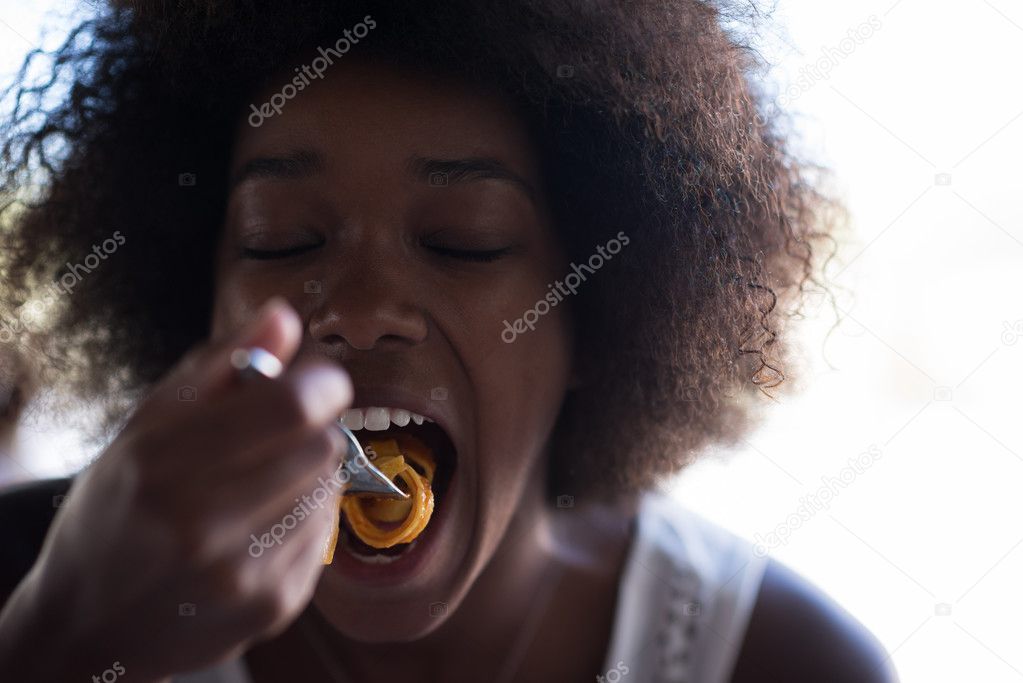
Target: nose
368	305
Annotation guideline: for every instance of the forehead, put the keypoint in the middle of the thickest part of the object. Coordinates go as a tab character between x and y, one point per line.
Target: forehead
365	117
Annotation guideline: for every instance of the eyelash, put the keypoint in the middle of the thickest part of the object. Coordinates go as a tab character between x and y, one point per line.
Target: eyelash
272	254
486	256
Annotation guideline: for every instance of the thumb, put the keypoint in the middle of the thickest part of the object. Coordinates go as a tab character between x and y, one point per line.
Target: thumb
275	327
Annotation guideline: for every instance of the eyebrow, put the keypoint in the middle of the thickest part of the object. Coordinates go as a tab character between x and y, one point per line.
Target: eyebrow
305	163
467	170
295	165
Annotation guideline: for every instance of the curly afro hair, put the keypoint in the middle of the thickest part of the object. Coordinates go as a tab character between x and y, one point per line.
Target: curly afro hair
649	120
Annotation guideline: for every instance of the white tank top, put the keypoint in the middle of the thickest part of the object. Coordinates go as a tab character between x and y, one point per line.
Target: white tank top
684	601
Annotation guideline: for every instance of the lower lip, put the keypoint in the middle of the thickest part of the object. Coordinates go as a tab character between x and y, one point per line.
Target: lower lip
408	563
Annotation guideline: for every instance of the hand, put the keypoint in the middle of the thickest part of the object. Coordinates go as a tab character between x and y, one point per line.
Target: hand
149	562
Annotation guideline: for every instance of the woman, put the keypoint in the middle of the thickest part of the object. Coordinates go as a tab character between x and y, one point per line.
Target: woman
563	232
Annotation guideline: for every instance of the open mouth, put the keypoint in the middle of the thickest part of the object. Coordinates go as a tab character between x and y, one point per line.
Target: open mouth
379	424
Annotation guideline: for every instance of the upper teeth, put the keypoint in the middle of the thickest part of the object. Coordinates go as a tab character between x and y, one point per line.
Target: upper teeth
378	419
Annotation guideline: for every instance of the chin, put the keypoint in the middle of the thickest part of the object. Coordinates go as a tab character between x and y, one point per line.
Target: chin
389	623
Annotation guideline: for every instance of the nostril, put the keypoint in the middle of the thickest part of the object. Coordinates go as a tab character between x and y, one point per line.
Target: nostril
333	340
372	319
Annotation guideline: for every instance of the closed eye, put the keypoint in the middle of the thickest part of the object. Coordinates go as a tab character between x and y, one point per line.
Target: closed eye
271	254
482	256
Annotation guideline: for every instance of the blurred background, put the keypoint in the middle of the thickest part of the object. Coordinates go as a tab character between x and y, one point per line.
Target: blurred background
893	479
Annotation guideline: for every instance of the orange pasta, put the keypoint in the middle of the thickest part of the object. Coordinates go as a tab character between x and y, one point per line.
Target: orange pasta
385	522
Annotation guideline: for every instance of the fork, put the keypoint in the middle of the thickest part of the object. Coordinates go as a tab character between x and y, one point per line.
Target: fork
362	477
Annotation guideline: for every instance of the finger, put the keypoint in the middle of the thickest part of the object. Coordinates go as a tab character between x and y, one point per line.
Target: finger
206	371
267	505
301	566
294	570
262	420
311	394
306	540
304	477
276	328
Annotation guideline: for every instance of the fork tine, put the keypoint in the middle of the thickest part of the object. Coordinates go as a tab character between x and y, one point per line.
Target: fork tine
365	478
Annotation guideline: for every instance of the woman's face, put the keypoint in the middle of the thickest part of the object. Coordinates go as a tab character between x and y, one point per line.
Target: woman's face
402	216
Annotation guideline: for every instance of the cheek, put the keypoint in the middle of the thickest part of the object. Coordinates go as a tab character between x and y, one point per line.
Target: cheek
520	396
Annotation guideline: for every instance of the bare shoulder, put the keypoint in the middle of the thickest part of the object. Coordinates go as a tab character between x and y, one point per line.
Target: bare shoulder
797	633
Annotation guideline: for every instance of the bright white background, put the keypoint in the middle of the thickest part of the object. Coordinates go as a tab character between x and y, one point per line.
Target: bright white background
921	123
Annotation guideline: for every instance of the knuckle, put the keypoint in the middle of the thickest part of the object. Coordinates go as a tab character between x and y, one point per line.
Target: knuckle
139	469
289	609
277	627
228	582
192	543
270	608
